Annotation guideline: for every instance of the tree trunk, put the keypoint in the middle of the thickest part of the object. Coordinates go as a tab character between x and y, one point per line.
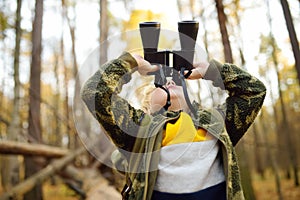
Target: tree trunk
14	127
11	163
244	163
74	143
270	155
66	79
34	128
103	31
284	125
278	127
57	140
293	36
257	152
286	130
224	33
245	172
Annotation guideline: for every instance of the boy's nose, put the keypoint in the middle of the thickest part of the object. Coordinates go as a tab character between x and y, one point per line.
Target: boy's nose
170	82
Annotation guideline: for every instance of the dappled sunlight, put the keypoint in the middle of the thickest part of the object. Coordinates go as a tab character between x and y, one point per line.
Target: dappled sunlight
56	121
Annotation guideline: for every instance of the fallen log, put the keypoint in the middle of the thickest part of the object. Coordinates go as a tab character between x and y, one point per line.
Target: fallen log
89	183
31	149
99	188
92	184
41	176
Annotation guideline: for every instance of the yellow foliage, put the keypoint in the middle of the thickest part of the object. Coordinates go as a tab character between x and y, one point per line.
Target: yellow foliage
133	39
138	16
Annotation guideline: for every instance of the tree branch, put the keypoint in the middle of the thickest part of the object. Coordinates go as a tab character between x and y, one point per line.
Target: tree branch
31	149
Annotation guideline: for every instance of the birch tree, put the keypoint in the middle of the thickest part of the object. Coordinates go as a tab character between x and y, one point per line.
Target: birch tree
10	163
34	128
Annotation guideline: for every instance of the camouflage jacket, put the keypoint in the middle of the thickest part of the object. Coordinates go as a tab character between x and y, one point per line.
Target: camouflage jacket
138	135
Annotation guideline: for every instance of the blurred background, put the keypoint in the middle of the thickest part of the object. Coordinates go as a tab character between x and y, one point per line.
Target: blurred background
44	45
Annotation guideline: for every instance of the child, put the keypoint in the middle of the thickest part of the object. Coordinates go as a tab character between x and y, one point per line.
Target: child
175	154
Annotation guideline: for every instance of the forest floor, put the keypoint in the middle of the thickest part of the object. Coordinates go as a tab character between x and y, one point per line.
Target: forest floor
264	189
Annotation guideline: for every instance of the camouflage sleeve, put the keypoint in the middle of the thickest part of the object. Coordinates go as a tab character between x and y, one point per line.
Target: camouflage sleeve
100	94
246	96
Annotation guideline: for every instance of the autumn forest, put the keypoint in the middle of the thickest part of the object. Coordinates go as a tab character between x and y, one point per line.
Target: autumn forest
51	147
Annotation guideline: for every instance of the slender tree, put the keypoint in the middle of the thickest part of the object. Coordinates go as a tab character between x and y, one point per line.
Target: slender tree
3	27
104	28
57	133
257	152
270	155
11	164
224	33
244	163
266	141
66	75
245	171
293	36
34	128
284	125
73	140
278	129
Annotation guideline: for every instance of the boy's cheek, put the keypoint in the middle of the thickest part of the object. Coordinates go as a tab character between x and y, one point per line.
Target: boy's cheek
158	99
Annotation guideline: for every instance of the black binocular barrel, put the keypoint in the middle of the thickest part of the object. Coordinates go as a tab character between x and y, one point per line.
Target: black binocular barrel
183	58
150	35
188	34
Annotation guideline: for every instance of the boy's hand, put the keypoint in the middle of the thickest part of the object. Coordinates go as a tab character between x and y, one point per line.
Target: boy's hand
144	67
199	70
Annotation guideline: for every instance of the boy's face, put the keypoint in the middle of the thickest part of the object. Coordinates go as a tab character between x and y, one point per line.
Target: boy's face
159	98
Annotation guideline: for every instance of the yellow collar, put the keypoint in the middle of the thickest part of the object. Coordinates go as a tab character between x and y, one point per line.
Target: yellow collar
183	131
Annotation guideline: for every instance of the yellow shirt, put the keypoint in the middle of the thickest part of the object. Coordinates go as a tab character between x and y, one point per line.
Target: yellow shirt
183	131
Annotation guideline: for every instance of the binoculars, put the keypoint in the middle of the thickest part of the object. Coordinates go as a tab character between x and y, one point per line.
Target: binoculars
172	62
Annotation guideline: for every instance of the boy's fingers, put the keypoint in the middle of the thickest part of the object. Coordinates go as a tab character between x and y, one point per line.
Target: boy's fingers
148	69
194	75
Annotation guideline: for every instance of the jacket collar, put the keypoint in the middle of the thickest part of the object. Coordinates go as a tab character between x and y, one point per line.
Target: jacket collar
208	119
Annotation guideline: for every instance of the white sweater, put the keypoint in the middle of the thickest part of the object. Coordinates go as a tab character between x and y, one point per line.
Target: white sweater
189	167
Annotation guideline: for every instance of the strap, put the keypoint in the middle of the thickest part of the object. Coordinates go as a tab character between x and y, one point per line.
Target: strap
186	96
161	79
126	189
188	74
160	84
168	102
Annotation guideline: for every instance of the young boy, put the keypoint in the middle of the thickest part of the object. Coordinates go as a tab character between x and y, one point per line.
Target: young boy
175	154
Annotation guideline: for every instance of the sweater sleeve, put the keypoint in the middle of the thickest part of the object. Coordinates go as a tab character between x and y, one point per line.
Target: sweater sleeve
246	96
100	94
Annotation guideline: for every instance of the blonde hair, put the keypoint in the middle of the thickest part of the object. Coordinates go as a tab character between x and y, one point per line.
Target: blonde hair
143	93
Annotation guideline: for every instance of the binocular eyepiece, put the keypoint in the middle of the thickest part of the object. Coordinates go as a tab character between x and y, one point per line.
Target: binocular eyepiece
182	59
